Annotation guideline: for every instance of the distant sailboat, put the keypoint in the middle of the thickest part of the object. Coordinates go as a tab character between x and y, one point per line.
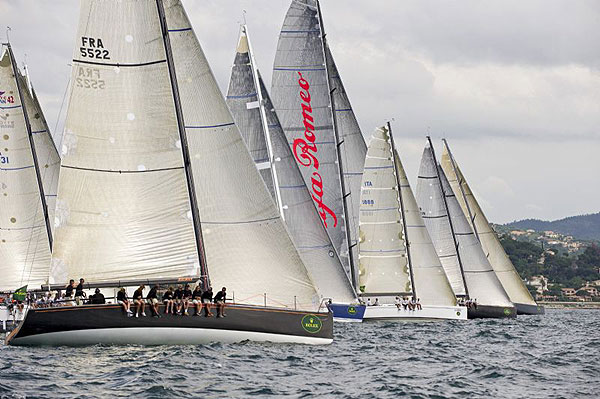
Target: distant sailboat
151	190
469	272
396	256
320	125
259	125
505	270
29	166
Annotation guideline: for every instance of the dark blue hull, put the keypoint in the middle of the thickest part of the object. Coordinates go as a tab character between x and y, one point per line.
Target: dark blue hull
347	313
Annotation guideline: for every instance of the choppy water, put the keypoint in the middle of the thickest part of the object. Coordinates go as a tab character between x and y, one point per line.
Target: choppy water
551	356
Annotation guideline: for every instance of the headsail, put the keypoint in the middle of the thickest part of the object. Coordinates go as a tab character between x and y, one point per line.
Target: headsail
505	270
352	148
247	246
382	249
301	95
298	210
45	148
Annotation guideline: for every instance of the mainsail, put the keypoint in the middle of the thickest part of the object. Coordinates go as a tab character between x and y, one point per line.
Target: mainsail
244	103
479	277
383	256
503	267
25	231
435	216
150	181
259	124
301	92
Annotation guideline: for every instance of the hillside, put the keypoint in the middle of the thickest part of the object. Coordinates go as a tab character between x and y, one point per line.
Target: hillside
583	226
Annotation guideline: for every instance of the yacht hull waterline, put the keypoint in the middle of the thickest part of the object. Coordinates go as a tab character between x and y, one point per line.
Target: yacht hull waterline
428	312
492	312
108	325
524	309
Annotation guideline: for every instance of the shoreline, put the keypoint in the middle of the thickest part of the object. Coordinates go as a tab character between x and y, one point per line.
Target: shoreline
571	305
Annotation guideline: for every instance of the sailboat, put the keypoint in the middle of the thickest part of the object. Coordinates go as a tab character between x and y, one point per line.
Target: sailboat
320	125
469	272
503	267
259	125
150	192
29	166
396	256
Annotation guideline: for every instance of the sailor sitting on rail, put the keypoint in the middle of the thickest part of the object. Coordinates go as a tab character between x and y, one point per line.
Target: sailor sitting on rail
123	300
138	300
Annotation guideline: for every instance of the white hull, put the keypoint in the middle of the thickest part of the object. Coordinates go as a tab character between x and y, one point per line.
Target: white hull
160	336
428	313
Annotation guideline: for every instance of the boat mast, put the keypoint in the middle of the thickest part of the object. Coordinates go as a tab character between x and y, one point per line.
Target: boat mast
32	147
402	211
437	173
337	150
263	121
184	146
462	190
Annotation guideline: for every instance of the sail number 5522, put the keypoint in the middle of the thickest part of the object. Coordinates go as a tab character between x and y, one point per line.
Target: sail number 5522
93	48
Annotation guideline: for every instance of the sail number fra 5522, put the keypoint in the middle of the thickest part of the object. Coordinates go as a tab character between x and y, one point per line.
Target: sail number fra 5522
93	48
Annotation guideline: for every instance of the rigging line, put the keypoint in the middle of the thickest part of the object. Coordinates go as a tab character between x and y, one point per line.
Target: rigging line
62	104
121	171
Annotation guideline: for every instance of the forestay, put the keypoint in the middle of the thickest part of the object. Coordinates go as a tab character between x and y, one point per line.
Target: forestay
247	246
503	267
25	243
383	257
433	210
430	281
299	213
353	148
301	95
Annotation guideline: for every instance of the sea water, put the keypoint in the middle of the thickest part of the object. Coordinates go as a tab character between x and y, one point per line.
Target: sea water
556	355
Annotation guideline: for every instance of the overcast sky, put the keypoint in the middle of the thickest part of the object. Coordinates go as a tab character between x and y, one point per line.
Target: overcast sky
513	85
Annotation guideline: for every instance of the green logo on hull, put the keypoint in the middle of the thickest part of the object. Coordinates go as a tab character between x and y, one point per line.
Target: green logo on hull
507	311
311	323
351	310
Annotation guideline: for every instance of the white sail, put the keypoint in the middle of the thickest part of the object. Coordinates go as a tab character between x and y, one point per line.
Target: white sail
430	281
243	101
383	257
299	213
433	210
45	149
123	207
301	95
25	244
247	246
503	267
353	148
480	279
